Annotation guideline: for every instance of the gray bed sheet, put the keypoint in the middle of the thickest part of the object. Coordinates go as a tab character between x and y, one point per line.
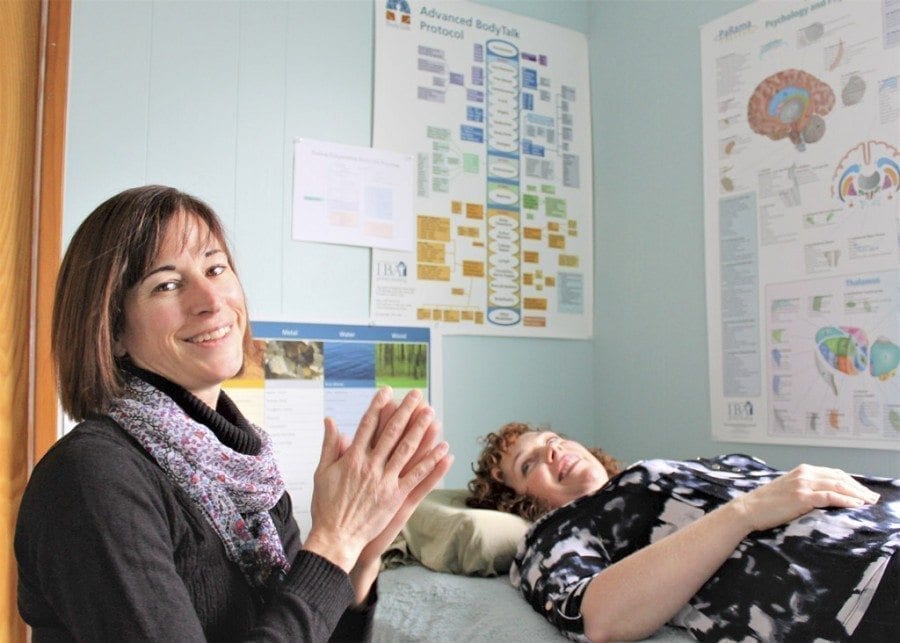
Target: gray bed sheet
417	604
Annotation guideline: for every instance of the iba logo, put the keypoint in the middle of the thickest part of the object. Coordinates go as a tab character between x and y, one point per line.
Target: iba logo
397	13
740	410
389	269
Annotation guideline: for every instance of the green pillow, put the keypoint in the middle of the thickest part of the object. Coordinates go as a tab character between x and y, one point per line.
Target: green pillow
447	536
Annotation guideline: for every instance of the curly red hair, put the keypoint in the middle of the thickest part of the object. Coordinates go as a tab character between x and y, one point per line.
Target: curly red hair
487	492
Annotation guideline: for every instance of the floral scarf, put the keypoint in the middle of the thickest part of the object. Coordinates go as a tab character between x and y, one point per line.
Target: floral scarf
233	490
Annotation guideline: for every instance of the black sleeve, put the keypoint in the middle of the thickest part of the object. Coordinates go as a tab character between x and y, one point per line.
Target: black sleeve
309	606
356	622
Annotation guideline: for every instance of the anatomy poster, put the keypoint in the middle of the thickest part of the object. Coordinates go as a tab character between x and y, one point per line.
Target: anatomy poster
304	372
495	107
801	136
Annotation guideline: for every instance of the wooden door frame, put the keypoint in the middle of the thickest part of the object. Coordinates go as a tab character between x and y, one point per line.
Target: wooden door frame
49	182
36	38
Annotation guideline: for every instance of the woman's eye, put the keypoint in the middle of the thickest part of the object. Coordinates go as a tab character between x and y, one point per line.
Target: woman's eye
165	286
216	270
526	467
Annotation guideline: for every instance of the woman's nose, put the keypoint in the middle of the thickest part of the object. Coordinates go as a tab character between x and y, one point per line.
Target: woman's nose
205	297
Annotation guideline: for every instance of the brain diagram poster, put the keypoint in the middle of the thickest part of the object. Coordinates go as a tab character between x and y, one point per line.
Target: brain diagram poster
495	108
801	128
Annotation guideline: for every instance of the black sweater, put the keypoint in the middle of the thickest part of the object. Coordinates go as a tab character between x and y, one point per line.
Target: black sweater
108	548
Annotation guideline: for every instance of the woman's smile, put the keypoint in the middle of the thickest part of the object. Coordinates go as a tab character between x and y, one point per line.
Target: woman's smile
566	463
210	336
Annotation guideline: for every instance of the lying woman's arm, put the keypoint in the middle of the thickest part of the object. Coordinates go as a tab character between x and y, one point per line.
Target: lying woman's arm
672	570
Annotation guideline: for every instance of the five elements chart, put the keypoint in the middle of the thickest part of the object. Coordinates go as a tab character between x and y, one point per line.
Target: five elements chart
495	107
801	132
305	372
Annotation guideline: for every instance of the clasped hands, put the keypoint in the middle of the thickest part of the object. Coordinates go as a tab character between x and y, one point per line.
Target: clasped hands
365	488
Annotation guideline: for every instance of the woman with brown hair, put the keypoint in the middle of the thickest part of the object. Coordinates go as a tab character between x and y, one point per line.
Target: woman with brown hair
726	547
163	514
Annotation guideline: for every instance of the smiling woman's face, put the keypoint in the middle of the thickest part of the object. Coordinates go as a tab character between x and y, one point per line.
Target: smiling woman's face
185	319
550	468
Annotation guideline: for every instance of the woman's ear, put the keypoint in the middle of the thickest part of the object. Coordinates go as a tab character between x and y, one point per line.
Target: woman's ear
497	475
118	349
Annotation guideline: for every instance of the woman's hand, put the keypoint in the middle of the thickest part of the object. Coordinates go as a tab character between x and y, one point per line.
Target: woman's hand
365	489
428	450
367	566
798	492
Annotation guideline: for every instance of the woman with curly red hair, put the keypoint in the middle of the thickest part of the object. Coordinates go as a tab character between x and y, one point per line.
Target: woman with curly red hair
487	488
726	547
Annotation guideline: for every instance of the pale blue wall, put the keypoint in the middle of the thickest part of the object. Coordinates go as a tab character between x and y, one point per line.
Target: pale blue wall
207	95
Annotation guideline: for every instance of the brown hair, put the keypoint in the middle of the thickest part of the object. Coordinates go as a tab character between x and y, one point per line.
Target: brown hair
109	253
486	492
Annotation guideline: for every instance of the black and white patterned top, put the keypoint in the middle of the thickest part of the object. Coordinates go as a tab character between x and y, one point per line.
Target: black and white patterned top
809	579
